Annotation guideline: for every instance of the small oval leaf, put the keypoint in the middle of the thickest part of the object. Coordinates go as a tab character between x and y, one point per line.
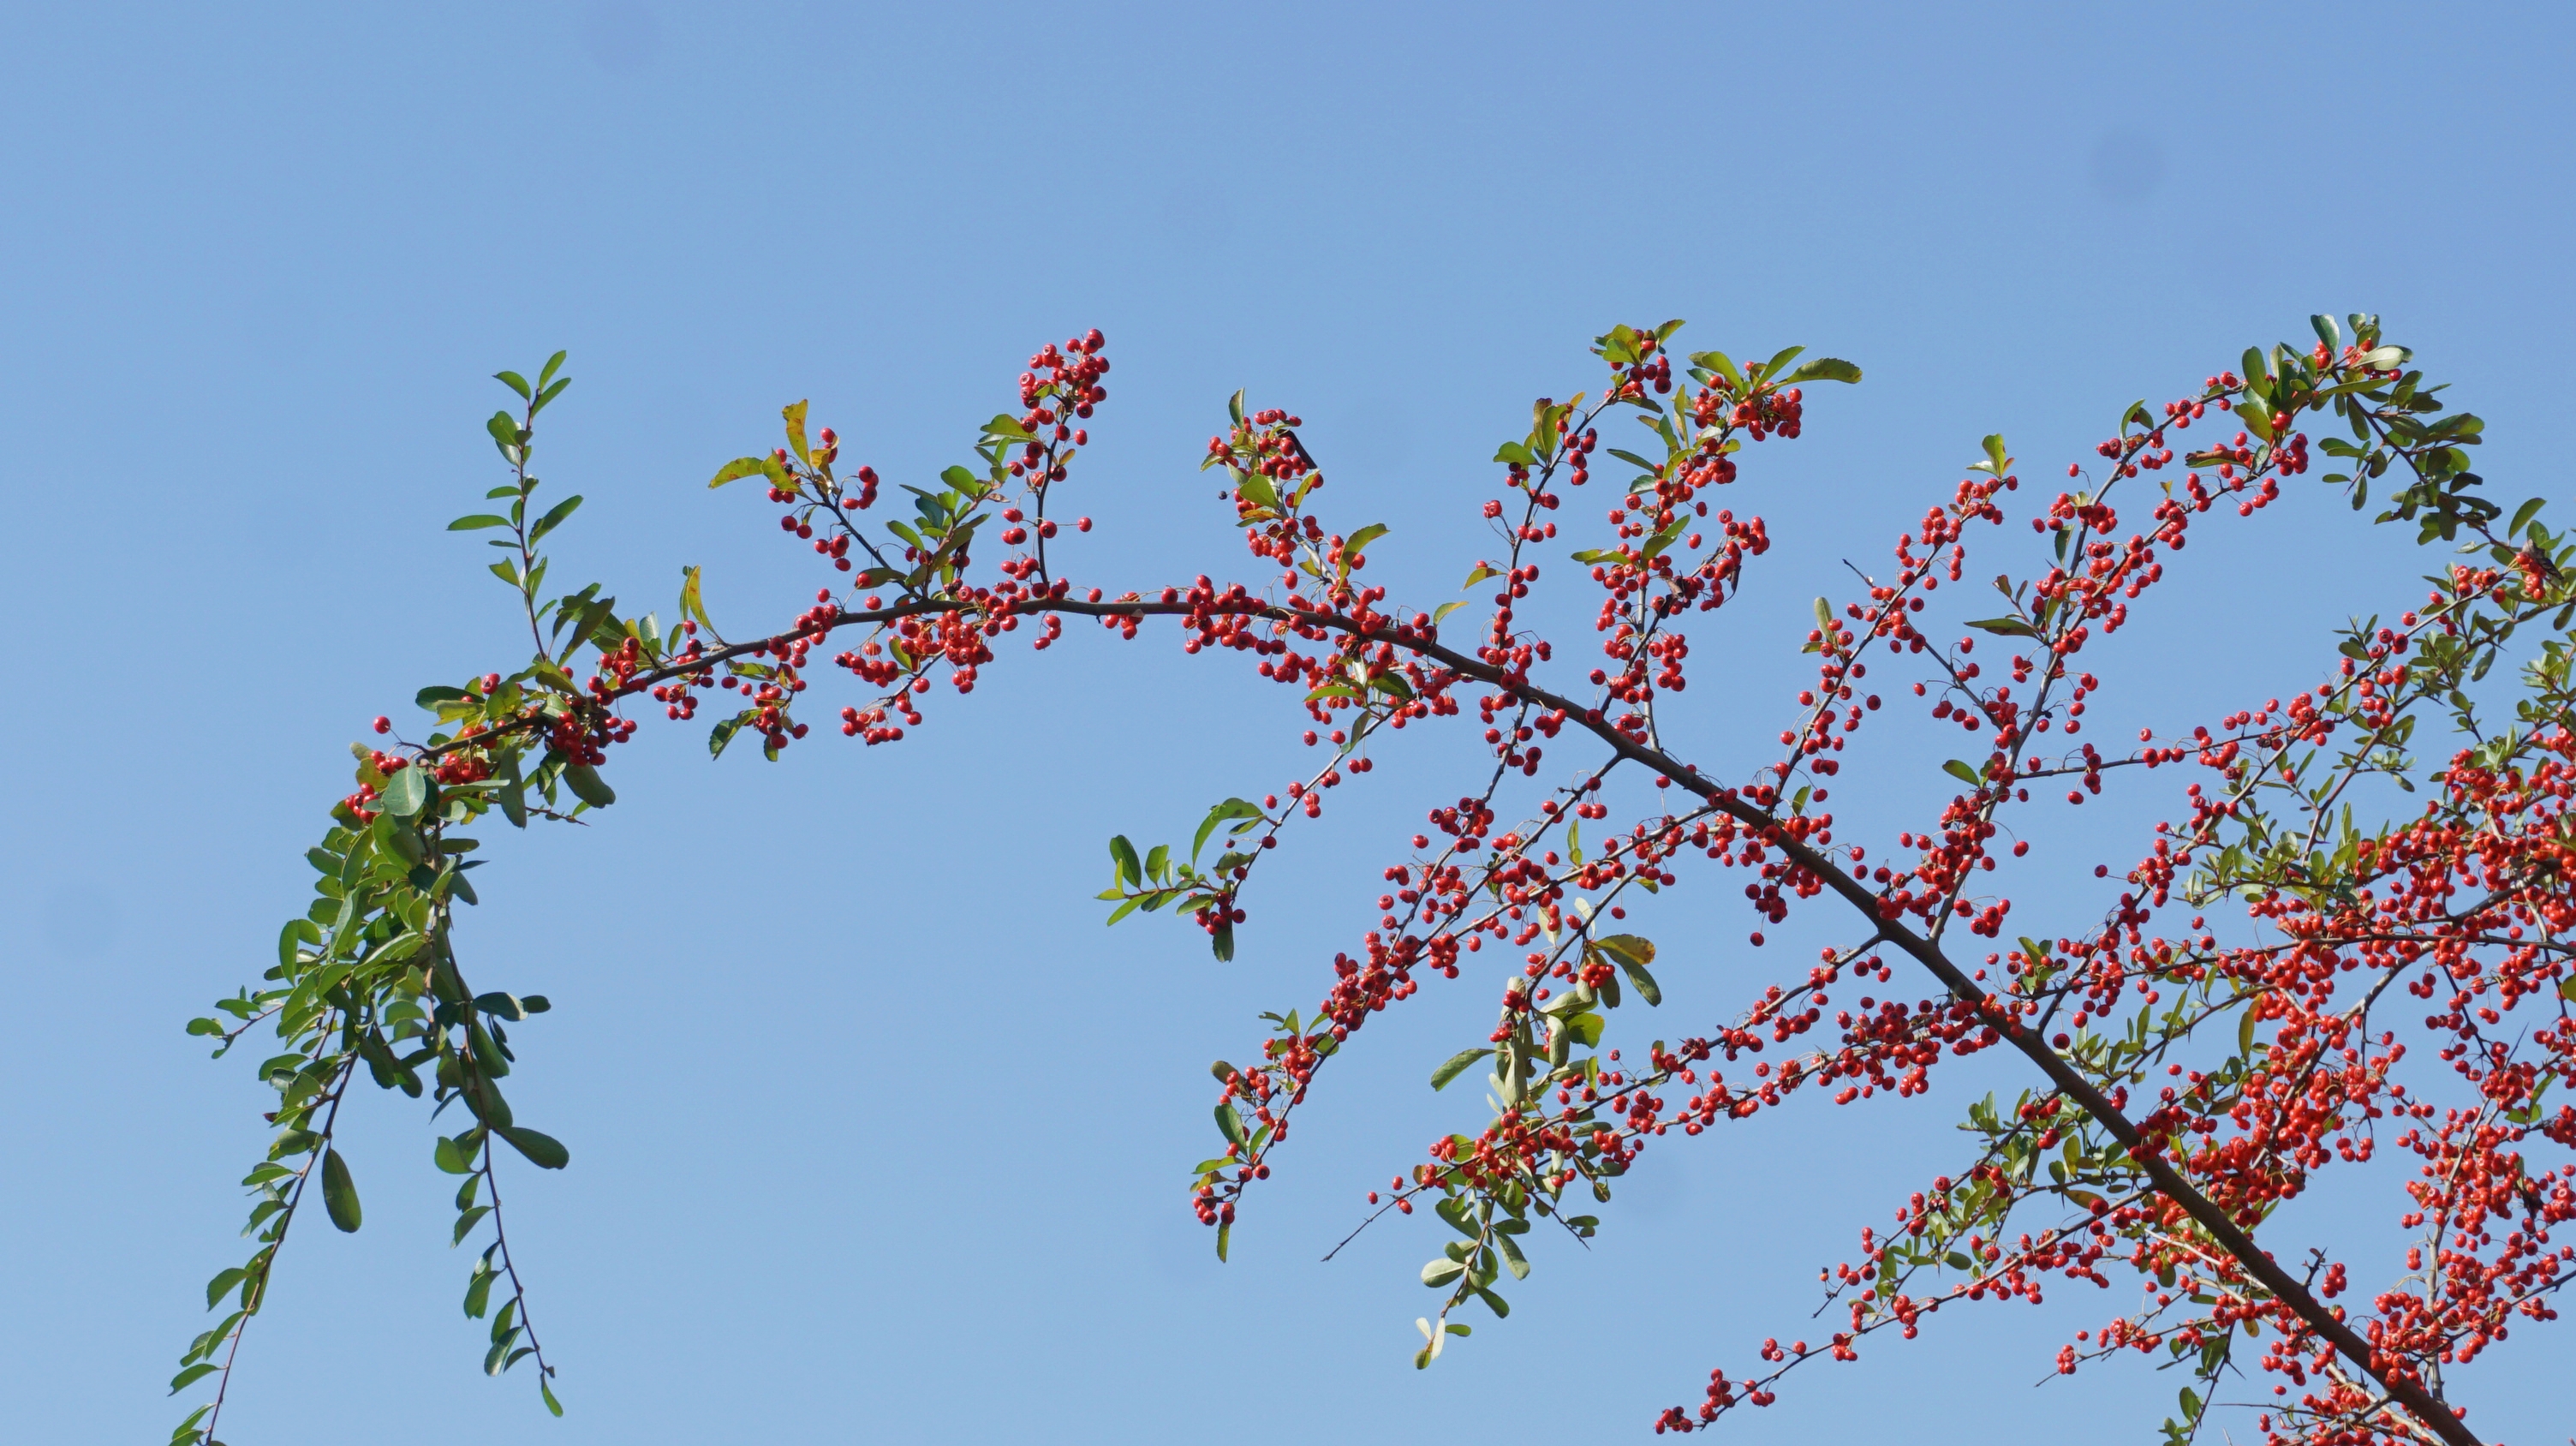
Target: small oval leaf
406	793
544	1151
588	786
1455	1066
1822	369
222	1285
339	1192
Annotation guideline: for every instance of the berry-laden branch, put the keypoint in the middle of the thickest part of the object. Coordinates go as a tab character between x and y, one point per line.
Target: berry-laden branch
2281	1065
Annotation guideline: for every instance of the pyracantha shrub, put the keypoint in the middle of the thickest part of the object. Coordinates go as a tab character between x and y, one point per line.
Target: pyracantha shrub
2281	987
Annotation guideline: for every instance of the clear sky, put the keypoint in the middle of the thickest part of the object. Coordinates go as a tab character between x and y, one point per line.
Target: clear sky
876	1133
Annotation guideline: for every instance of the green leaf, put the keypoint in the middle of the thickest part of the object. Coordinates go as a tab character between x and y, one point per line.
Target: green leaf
477	521
514	382
465	1224
478	1290
403	843
339	1192
222	1285
1572	1001
1455	1066
2522	517
1129	870
554	517
1232	808
544	1151
452	1157
1626	948
1441	1272
1459	1215
1512	1258
303	931
1361	539
751	466
1544	436
588	786
199	1371
1229	1124
504	1326
1771	368
406	793
794	412
2256	417
1963	773
549	1393
1515	453
1585	1029
1825	614
1822	369
1632	954
553	677
1720	363
208	1342
1225	1231
724	731
2006	627
692	606
504	1005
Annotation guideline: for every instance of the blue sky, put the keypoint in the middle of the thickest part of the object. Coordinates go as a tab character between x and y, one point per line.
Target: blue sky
877	1133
